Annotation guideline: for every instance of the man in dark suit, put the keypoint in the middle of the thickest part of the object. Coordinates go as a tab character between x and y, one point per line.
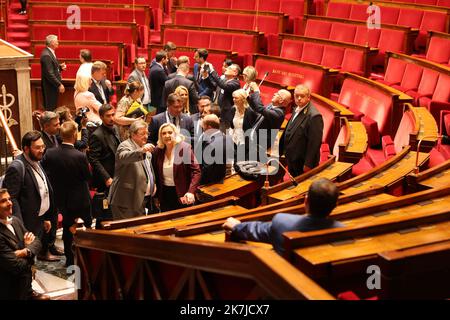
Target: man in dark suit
103	145
181	80
273	114
319	202
213	151
225	89
18	247
171	66
158	78
204	87
50	125
302	137
203	106
174	115
51	80
68	170
100	86
32	192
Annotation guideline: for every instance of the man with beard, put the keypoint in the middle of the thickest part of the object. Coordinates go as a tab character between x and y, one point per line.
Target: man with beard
31	191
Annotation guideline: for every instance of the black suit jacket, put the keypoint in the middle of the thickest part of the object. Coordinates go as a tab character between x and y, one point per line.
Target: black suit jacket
25	196
225	95
108	92
103	145
48	142
186	127
216	151
68	171
157	78
273	118
15	273
50	78
180	80
301	141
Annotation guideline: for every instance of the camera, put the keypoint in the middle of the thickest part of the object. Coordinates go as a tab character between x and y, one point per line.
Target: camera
80	115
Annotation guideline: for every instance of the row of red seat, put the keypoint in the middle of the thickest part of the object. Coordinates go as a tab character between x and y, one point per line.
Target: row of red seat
286	72
402	16
100	51
267	23
439	3
294	8
385	39
245	42
378	107
427	83
337	55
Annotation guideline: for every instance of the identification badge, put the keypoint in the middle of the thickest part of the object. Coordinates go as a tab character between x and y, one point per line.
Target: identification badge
105	204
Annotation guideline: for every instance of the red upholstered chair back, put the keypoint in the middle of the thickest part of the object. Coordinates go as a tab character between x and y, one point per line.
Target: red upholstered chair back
442	91
395	70
291	49
439	50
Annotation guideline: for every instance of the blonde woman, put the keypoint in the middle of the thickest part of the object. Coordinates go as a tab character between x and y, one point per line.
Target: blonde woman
244	118
84	98
249	75
177	171
183	93
132	97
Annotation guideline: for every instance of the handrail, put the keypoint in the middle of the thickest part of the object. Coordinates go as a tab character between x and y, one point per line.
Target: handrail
4	123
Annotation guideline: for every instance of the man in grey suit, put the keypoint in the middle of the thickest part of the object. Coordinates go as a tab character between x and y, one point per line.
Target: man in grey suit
303	135
138	74
319	202
134	180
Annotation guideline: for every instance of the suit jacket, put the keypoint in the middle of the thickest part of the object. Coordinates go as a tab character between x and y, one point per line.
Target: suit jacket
186	127
135	76
225	94
302	139
108	92
130	181
186	171
179	80
15	273
158	78
50	78
205	88
198	130
216	149
103	145
25	196
68	171
273	119
49	143
272	232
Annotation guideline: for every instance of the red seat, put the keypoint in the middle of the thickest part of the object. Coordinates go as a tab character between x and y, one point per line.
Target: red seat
411	78
358	12
317	29
389	15
353	61
243	5
432	21
270	5
343	32
198	39
440	99
224	42
176	36
312	52
291	49
426	86
438	50
195	3
244	22
188	18
332	56
410	18
215	20
219	4
369	37
392	41
338	10
394	71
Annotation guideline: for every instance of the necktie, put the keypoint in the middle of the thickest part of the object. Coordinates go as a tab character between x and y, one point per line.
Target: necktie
174	121
55	141
149	173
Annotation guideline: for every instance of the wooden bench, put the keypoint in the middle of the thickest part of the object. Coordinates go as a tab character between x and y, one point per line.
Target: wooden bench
435	177
351	143
123	266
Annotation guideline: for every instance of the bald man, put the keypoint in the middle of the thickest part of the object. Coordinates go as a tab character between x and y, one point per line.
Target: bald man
302	137
273	114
